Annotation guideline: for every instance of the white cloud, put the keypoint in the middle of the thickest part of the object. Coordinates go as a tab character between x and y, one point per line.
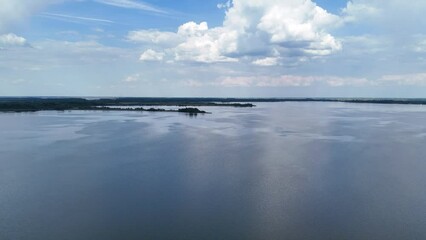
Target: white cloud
132	5
152	36
191	29
252	29
192	42
151	55
294	21
12	39
203	44
269	61
279	26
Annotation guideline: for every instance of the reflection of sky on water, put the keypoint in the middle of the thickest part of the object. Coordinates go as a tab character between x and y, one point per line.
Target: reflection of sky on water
276	171
301	121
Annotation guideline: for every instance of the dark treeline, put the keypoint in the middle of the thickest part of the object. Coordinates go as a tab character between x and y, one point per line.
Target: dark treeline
28	104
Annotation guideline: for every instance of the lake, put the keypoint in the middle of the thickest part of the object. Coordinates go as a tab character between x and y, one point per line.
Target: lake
277	171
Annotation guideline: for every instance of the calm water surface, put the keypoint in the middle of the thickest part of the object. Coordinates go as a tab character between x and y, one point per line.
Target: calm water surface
277	171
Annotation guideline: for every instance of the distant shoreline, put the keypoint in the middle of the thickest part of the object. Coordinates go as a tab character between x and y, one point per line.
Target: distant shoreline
187	105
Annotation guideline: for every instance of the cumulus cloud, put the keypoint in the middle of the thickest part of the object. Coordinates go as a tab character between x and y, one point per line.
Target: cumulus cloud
263	31
156	37
12	39
295	27
151	55
202	44
269	61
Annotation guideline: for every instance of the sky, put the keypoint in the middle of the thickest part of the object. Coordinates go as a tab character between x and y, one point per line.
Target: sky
213	48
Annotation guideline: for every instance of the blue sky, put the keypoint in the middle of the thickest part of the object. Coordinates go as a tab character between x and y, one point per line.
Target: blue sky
238	48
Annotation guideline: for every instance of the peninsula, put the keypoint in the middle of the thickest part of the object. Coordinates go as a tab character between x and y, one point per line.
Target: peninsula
185	105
